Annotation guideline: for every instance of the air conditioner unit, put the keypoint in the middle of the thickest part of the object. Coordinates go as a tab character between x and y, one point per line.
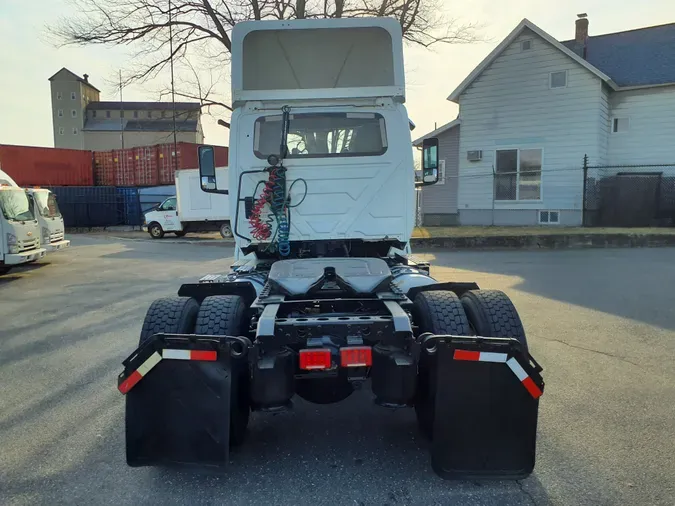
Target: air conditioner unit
474	156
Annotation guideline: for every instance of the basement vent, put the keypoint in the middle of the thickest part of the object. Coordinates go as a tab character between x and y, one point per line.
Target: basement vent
474	156
549	217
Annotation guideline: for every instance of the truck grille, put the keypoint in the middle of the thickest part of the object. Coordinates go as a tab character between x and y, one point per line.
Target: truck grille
56	237
28	245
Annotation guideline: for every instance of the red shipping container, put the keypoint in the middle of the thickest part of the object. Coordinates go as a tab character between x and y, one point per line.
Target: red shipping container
36	166
104	168
145	159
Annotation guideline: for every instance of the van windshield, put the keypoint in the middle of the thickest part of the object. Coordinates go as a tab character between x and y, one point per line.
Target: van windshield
320	135
14	204
46	204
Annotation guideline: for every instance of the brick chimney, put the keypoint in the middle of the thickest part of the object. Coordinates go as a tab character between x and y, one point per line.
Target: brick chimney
581	34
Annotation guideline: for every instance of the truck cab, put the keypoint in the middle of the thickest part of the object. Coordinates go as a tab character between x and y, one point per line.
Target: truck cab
19	228
46	209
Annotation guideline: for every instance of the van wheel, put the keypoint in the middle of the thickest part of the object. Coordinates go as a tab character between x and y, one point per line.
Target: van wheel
155	230
179	234
226	231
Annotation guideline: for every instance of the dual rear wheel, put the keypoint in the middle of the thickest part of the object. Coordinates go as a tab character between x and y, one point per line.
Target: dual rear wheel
217	315
488	313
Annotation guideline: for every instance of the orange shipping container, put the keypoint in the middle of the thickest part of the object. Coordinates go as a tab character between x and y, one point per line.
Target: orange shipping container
36	166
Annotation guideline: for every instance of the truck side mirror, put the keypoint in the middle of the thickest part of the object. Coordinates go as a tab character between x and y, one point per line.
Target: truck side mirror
207	170
430	161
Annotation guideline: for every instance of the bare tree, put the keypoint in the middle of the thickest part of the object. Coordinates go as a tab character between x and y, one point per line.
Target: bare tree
201	32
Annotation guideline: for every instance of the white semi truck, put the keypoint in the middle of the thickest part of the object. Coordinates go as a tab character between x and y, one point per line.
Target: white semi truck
19	228
324	301
46	210
191	209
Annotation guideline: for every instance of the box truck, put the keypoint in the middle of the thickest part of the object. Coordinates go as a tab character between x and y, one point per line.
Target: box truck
19	228
190	209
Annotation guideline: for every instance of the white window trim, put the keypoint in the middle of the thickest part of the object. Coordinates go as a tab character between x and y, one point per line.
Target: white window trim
549	211
59	113
550	80
541	178
62	131
73	113
73	95
611	125
75	131
59	95
531	41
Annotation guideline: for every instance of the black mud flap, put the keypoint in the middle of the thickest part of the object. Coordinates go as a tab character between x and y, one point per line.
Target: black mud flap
178	412
486	408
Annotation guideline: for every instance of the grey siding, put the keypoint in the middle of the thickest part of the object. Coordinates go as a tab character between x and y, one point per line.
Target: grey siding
440	199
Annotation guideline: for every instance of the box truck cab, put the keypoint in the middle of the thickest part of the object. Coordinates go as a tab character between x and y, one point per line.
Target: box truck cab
191	209
46	209
19	229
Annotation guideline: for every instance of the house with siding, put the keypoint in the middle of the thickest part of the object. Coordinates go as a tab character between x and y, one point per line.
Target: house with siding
535	106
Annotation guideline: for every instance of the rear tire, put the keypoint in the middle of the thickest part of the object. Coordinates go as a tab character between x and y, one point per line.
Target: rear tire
155	230
492	314
438	312
225	315
180	234
226	231
4	269
170	315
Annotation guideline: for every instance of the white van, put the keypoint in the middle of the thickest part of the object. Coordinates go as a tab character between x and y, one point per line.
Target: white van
19	228
190	209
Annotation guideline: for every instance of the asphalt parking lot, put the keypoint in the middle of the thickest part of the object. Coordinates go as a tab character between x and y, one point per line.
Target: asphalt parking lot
601	323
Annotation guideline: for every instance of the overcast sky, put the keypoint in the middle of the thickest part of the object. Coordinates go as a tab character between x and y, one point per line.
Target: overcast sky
27	59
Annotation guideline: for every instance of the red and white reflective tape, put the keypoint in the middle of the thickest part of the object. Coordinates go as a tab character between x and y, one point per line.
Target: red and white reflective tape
527	382
169	354
210	356
480	356
502	358
138	374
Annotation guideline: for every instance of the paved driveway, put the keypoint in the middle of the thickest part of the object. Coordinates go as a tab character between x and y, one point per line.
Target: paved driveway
601	322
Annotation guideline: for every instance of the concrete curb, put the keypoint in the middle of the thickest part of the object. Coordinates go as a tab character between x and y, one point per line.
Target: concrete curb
548	241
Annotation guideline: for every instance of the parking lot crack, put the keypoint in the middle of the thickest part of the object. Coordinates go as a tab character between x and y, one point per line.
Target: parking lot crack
606	354
527	493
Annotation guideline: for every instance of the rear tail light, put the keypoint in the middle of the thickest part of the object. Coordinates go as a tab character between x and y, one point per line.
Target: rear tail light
315	359
356	356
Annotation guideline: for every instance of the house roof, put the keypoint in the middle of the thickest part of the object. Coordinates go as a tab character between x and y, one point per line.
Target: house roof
145	106
133	125
642	57
438	131
74	77
526	24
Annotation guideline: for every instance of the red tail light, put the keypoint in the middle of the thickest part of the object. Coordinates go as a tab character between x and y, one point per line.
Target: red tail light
315	359
356	356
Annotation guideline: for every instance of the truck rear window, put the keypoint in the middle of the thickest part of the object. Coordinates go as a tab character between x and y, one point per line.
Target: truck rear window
320	135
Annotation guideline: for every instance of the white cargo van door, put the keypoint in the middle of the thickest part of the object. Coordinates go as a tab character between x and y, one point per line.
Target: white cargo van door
169	216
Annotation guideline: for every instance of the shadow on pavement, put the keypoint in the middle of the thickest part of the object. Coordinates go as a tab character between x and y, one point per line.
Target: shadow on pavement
630	283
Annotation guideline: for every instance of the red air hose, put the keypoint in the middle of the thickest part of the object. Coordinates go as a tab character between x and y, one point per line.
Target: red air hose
261	230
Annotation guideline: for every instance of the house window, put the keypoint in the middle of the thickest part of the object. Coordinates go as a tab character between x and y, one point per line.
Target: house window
518	174
558	79
61	131
549	217
59	95
149	114
60	113
526	45
73	113
619	125
73	95
135	114
74	131
107	114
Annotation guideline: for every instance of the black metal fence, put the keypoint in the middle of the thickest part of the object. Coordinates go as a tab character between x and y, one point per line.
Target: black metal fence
98	206
629	195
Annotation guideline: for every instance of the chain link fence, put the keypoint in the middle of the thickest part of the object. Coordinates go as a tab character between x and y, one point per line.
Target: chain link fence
629	195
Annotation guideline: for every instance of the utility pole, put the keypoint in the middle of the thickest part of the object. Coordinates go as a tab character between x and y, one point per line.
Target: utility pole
173	96
121	112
